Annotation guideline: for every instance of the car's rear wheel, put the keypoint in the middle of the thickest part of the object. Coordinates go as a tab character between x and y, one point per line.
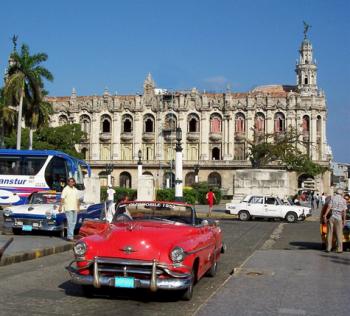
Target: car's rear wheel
244	216
291	217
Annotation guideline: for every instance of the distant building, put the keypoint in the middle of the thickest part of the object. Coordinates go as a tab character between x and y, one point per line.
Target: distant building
215	128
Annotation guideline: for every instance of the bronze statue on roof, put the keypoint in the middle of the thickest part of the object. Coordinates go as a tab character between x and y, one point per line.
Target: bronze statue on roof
306	28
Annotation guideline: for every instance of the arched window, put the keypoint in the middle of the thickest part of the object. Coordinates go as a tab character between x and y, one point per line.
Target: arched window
279	122
259	123
62	120
85	123
240	123
193	123
190	179
125	180
215	123
126	123
170	122
216	154
106	124
148	123
85	152
306	124
214	180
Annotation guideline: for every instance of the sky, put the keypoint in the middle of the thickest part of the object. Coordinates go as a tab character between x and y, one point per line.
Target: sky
207	44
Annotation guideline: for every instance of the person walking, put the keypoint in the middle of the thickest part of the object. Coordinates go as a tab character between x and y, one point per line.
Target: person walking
210	199
337	205
317	199
323	199
70	204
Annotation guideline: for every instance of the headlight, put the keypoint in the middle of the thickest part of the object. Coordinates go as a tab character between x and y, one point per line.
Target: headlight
48	215
177	255
80	249
7	212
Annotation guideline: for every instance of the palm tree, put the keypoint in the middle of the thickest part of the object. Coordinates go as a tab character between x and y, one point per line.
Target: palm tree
25	82
7	119
37	114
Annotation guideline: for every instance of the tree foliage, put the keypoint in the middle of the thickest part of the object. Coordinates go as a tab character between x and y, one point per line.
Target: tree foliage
61	138
282	149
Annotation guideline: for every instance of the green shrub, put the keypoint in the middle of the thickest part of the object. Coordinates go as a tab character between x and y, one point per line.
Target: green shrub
119	193
165	195
190	195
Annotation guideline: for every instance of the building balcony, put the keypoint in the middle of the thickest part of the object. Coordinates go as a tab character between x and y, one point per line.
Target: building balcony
169	137
148	137
105	137
126	137
215	137
193	137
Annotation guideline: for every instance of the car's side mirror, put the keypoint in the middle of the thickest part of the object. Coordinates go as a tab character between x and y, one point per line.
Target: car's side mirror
205	222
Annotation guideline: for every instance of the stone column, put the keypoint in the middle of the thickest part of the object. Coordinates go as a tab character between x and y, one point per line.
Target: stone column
116	129
182	122
95	134
226	137
313	137
138	130
205	128
159	151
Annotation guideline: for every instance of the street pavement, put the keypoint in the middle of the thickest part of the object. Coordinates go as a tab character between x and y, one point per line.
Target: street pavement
289	275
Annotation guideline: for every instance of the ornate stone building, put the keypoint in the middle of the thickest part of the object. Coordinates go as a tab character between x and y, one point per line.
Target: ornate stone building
215	127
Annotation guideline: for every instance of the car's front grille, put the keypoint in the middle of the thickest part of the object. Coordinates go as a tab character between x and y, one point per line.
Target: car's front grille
122	267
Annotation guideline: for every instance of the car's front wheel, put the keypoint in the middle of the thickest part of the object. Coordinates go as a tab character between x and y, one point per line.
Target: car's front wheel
187	294
244	215
213	269
291	217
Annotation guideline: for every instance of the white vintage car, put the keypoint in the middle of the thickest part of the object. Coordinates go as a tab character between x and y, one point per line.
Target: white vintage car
267	206
41	213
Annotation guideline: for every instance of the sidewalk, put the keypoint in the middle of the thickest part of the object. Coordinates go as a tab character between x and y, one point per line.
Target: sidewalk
282	282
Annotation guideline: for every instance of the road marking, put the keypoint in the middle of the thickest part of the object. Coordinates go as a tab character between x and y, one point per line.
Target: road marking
276	234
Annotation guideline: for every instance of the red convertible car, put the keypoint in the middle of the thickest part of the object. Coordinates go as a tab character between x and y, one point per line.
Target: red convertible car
153	245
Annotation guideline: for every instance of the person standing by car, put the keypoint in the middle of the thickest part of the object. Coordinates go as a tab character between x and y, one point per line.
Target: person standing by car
337	205
71	205
210	199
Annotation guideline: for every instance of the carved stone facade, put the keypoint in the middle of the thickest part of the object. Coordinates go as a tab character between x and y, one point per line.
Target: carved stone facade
215	127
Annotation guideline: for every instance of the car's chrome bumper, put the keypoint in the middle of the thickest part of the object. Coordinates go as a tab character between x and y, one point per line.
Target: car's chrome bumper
36	225
154	283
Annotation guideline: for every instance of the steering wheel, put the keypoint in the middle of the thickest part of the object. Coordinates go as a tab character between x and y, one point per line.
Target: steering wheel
122	217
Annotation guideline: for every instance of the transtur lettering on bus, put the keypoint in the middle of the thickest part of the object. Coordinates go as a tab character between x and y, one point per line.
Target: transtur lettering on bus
12	181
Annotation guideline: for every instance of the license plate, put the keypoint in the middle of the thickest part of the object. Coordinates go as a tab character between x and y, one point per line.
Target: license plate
27	228
124	282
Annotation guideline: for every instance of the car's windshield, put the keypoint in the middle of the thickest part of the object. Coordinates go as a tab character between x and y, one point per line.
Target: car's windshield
156	211
43	198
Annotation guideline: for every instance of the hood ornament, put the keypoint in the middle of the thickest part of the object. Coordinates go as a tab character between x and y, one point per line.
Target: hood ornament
128	250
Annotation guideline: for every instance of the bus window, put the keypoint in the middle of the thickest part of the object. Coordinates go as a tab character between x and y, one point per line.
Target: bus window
32	165
79	177
10	165
55	173
21	165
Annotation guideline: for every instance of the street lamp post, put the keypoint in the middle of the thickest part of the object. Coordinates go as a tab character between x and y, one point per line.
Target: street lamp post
139	165
178	166
109	170
196	171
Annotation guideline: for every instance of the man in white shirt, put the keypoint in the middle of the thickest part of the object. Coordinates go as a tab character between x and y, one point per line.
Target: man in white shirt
71	205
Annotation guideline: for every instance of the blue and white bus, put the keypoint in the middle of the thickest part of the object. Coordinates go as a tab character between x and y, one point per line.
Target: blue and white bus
23	172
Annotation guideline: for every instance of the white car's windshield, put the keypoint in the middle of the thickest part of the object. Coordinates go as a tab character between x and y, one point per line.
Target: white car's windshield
43	198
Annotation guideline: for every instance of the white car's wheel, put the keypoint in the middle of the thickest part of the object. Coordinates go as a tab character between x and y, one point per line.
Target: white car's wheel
291	217
244	215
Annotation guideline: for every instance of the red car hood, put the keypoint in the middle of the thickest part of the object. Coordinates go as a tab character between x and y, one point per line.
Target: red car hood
143	240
